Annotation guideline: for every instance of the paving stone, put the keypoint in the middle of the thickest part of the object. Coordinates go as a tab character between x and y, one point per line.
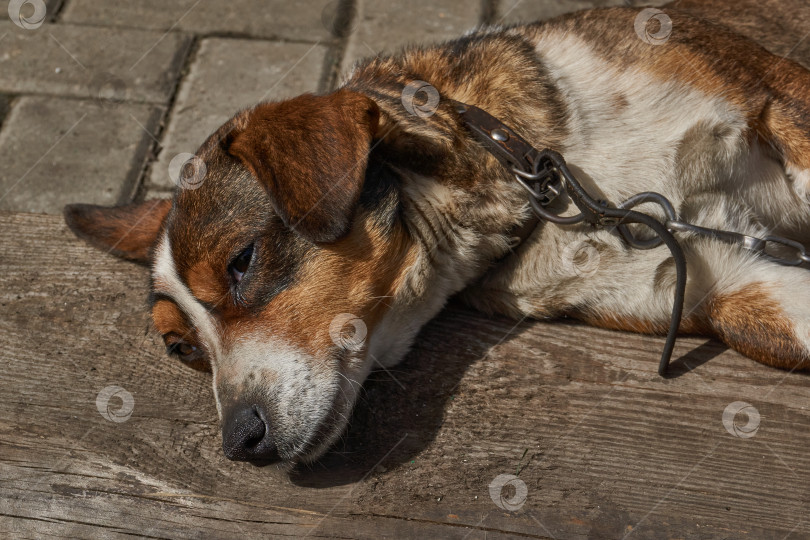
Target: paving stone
512	11
77	60
229	75
389	26
158	194
298	20
56	151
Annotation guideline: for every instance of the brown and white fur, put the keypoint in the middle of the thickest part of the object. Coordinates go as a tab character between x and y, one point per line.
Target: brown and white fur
360	211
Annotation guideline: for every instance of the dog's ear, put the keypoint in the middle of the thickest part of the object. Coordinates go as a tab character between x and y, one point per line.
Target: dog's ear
310	153
127	231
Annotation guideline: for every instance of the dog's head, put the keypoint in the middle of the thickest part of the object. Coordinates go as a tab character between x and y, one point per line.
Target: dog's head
277	268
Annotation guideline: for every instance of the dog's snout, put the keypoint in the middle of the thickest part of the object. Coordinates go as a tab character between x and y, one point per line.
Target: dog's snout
247	436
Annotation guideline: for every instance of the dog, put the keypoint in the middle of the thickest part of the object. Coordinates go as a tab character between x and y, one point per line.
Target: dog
322	232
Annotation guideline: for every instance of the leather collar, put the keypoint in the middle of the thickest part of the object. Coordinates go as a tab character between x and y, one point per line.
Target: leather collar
509	148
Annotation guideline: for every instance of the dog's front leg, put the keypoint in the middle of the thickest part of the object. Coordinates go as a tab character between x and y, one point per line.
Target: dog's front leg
762	309
755	306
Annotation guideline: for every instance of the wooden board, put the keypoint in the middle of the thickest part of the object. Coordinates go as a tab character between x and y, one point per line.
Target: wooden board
605	447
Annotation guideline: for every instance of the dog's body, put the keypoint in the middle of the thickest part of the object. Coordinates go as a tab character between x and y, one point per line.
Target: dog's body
629	117
365	212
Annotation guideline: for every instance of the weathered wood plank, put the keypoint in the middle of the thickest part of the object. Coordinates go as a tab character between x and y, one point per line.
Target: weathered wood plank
604	446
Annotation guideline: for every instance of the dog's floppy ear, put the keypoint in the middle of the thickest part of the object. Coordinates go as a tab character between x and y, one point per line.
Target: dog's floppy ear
127	231
310	153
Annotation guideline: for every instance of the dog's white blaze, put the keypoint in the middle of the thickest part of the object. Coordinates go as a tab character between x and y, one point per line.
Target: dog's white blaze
168	282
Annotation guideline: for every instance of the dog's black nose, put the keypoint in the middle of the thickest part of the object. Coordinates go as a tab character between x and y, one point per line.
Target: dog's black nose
246	436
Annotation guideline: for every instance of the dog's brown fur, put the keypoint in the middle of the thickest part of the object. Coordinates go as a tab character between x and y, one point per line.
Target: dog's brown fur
353	206
292	140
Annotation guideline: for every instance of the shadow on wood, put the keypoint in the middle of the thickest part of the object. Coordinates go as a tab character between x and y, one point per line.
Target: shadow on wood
401	409
695	358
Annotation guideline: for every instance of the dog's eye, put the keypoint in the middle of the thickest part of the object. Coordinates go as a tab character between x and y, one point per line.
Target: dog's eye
185	349
191	355
240	264
186	352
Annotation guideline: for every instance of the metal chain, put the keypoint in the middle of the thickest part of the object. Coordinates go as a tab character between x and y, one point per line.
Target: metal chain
751	243
550	184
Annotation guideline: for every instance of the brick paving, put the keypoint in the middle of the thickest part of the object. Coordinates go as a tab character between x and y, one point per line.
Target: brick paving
389	25
97	96
57	150
229	75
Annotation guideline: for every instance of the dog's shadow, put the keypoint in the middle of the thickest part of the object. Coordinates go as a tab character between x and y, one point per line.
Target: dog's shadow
401	409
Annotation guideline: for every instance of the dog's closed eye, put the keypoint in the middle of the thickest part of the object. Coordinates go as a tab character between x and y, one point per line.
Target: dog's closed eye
240	264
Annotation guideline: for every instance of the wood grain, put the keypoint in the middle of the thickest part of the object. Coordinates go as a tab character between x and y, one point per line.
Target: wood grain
605	447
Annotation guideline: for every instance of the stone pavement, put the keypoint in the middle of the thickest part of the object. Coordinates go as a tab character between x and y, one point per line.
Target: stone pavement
98	96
